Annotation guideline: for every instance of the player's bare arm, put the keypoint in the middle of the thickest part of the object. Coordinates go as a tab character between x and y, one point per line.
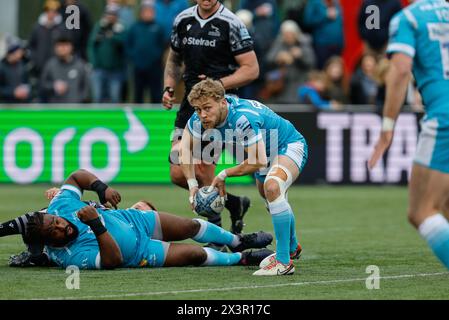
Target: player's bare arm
85	180
110	254
172	75
245	74
256	160
397	81
187	164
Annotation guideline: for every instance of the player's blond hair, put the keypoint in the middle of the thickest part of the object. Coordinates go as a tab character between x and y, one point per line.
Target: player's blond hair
205	89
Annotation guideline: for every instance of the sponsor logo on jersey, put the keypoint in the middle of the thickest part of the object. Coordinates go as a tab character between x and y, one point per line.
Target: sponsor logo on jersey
243	124
215	32
143	263
244	34
243	129
189	26
191	41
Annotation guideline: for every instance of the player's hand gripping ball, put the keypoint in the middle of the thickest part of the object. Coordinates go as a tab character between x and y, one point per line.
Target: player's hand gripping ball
208	204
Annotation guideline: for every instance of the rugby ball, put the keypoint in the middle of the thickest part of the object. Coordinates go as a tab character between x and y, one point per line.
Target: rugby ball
208	204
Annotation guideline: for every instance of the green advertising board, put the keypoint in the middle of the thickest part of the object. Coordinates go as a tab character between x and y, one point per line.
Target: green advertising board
118	145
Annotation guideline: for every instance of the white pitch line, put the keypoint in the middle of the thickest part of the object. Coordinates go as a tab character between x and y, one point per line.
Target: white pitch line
138	294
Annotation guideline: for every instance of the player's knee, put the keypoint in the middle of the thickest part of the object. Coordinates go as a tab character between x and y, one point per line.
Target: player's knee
198	256
192	227
272	190
414	217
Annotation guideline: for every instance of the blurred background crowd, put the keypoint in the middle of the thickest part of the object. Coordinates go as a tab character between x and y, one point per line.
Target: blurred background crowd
118	54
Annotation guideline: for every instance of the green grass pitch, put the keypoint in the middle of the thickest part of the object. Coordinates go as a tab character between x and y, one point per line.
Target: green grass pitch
342	229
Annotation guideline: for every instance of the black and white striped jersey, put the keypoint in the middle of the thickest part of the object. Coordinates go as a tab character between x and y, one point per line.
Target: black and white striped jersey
208	46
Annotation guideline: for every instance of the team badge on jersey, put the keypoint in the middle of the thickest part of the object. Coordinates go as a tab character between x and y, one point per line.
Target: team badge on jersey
215	32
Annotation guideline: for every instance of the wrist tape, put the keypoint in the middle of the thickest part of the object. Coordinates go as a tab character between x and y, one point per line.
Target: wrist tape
387	124
97	226
100	188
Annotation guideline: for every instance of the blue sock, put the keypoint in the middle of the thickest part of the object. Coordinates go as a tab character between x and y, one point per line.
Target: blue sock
281	217
293	239
217	258
211	233
435	230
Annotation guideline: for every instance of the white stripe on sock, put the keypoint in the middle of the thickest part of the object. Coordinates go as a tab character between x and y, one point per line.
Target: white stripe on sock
235	241
433	225
210	257
203	227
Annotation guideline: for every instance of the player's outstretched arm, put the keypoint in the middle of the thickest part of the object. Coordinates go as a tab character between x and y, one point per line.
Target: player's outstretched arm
187	164
85	180
110	254
257	158
397	81
245	74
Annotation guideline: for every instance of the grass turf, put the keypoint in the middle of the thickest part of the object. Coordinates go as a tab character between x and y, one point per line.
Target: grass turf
342	229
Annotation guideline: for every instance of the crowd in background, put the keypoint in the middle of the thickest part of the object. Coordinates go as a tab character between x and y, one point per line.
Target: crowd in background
120	58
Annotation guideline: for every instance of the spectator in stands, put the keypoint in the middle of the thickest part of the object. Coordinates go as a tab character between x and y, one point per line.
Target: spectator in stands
126	15
380	76
3	43
14	81
167	11
79	36
375	39
65	78
107	55
265	21
48	28
312	92
144	50
363	87
325	20
413	97
294	10
335	80
291	52
250	91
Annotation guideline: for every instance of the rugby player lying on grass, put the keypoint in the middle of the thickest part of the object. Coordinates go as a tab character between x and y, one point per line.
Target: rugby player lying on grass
35	255
75	233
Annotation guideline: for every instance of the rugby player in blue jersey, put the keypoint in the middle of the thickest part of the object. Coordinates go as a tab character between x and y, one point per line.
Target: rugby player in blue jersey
276	154
76	233
35	254
419	42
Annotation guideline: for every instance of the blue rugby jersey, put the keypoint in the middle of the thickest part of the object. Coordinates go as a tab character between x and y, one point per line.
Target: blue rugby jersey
248	122
130	228
421	31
